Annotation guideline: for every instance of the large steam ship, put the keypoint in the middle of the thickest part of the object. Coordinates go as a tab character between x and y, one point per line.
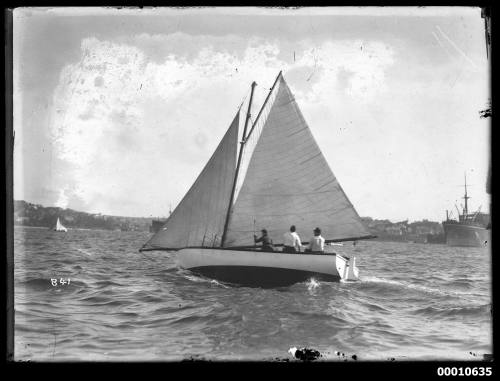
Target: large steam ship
471	229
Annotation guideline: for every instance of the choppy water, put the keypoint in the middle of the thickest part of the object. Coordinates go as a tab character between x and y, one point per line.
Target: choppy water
413	302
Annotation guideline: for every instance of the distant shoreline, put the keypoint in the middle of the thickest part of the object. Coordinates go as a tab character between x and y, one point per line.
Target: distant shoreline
72	228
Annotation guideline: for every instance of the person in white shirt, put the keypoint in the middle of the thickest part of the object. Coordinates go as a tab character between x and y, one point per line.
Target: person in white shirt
317	242
291	241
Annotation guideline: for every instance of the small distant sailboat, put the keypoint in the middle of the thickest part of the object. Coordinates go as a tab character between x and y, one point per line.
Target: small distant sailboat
272	177
59	227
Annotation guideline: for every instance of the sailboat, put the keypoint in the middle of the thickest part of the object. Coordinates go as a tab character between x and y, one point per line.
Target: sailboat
270	175
59	227
471	229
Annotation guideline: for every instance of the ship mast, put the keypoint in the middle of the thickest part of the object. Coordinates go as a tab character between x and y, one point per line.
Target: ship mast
243	140
466	209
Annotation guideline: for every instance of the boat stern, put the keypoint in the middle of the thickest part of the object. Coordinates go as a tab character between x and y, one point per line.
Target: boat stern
346	268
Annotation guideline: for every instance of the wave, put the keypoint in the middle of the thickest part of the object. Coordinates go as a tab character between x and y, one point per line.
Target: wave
85	252
446	312
217	283
196	278
188	320
375	307
312	284
102	301
411	286
105	283
38	283
320	316
202	318
165	271
170	309
467	284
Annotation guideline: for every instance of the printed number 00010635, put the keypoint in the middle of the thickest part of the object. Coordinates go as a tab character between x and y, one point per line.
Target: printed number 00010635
464	371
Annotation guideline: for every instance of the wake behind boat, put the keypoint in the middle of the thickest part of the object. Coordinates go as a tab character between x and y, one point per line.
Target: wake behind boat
277	178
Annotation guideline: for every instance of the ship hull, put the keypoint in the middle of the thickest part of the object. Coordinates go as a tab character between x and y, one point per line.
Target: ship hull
466	235
265	269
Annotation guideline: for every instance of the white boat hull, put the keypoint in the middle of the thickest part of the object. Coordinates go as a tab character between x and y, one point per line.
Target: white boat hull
252	267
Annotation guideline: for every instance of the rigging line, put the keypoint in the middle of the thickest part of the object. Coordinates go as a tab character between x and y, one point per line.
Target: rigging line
243	101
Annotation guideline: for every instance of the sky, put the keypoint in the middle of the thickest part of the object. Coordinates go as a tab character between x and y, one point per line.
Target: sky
116	111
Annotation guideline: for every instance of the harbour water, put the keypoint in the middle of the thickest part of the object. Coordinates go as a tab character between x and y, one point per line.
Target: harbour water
413	302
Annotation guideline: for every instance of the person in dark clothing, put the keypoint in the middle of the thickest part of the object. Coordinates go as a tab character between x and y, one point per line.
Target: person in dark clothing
267	243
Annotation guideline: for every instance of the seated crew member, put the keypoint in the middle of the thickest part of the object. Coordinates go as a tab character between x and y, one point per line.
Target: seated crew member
291	241
316	243
267	243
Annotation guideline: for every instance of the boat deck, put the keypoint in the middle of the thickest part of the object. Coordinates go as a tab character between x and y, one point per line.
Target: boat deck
279	251
330	253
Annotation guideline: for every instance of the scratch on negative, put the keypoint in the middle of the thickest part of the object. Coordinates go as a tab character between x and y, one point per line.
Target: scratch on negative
457	48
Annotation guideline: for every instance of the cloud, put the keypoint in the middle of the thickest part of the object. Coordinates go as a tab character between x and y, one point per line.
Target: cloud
137	130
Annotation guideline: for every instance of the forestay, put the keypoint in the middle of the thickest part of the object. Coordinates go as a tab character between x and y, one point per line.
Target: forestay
199	218
288	182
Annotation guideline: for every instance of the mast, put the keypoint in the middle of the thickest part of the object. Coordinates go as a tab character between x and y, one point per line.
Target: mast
466	209
243	140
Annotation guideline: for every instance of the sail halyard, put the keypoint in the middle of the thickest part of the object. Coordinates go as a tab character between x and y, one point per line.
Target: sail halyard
288	182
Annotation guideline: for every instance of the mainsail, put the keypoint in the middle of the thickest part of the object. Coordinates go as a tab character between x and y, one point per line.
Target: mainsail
199	218
288	182
283	180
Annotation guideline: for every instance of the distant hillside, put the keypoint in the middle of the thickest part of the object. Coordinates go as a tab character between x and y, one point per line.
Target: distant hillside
417	231
28	214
